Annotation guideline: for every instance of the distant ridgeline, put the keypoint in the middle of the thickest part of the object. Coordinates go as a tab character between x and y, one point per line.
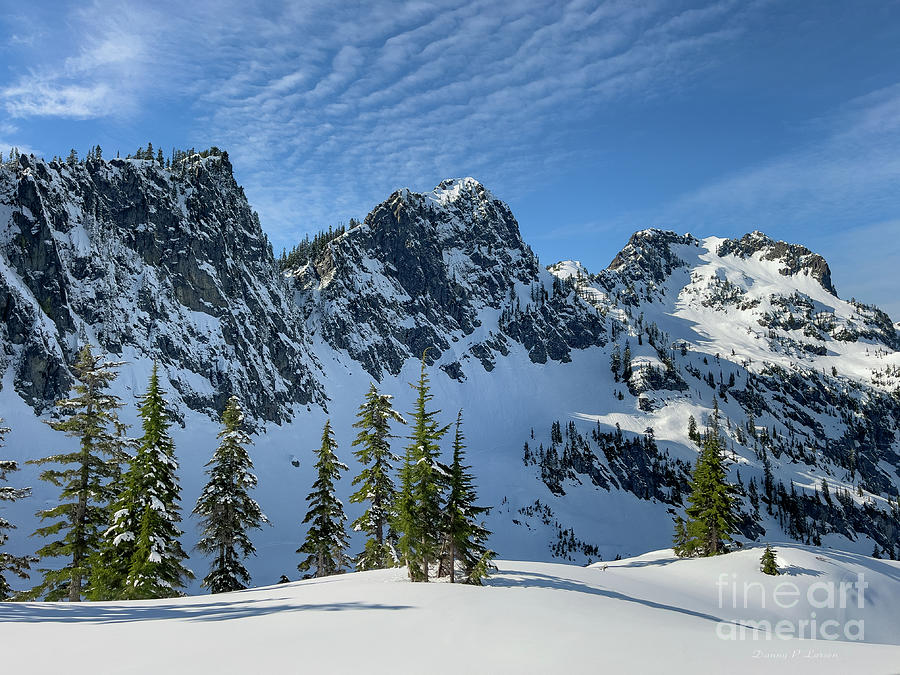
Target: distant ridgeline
311	249
176	158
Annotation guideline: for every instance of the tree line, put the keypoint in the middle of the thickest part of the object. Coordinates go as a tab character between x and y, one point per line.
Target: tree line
117	524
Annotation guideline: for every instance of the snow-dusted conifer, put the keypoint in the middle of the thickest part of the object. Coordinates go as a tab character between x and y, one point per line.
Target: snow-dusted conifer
18	565
768	564
418	513
376	487
326	540
680	538
225	508
711	519
465	537
142	556
81	515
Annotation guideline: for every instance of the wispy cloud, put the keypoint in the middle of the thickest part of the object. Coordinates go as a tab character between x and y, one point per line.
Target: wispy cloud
837	193
850	172
412	94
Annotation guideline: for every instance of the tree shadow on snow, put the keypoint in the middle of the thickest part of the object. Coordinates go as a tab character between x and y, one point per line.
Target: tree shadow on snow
797	571
615	564
87	612
517	579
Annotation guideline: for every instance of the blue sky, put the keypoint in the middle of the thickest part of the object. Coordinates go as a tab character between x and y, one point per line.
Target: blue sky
592	119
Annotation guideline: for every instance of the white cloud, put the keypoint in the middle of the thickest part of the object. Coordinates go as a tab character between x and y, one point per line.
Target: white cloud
382	96
848	174
47	98
326	108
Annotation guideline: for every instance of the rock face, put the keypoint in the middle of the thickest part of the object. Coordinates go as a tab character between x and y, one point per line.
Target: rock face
442	271
794	259
170	264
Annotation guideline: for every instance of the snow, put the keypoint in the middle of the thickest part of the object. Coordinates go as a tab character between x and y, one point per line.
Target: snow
648	614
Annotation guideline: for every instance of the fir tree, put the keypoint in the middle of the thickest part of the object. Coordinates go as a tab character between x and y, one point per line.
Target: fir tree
81	516
464	536
142	556
18	565
615	362
711	518
693	434
326	539
768	564
418	513
225	508
680	544
627	369
375	484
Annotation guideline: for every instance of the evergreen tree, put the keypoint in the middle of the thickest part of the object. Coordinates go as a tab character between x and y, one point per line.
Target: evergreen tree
418	513
18	565
768	563
326	539
464	536
375	483
225	508
142	556
711	518
627	370
81	516
680	542
693	434
615	362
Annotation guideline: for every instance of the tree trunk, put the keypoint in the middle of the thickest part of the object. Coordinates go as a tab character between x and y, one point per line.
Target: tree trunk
452	563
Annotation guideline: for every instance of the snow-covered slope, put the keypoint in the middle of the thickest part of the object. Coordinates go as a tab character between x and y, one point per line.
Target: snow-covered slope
577	460
645	615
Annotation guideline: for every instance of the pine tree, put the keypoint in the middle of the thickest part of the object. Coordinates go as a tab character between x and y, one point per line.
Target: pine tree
627	369
465	537
18	565
326	539
768	564
711	518
680	542
375	484
225	508
693	434
418	513
142	556
615	362
81	515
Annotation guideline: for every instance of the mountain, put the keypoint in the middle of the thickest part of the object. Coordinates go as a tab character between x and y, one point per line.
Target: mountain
447	271
146	263
582	453
649	614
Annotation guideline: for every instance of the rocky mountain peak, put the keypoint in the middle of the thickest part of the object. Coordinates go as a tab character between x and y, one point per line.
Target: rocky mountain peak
649	254
438	268
795	259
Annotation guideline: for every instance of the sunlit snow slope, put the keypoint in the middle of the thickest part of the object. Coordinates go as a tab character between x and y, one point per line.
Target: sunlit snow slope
650	614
